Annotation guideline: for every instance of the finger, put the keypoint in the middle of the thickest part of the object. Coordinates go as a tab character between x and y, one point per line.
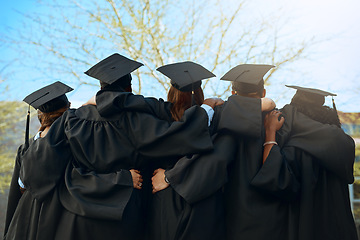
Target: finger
282	120
156	171
277	114
275	111
137	171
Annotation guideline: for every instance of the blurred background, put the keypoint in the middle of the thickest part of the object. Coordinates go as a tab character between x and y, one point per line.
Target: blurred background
312	43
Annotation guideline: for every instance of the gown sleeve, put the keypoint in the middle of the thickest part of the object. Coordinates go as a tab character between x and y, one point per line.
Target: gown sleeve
277	177
329	144
151	129
14	191
158	138
96	195
109	102
202	175
40	173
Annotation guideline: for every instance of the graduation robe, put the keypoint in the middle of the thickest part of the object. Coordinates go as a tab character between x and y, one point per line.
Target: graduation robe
201	178
170	215
313	176
179	217
252	213
80	162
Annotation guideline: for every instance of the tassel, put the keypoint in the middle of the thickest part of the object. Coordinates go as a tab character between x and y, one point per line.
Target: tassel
333	102
192	98
27	129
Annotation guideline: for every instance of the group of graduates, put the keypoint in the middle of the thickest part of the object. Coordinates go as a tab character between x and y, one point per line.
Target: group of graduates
123	166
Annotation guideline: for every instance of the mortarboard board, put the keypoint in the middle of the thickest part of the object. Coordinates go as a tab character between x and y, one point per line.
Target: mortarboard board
312	91
247	78
247	73
313	95
112	68
41	97
47	99
185	76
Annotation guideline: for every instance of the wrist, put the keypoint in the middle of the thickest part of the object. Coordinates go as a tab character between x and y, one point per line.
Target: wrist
270	136
270	143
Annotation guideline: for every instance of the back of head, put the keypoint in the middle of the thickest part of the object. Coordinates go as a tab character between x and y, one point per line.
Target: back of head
50	101
122	84
185	91
248	90
114	72
183	100
310	102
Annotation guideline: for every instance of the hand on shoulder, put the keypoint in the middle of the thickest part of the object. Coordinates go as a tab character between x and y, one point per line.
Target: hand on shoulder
212	102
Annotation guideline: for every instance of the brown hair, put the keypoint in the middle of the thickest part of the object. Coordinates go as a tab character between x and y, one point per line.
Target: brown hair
46	119
182	101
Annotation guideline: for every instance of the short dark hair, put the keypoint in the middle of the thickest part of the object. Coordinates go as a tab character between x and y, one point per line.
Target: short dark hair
312	106
123	82
248	90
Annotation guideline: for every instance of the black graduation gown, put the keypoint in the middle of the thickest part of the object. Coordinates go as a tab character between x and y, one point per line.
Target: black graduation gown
14	190
200	179
260	214
252	213
315	178
170	216
82	160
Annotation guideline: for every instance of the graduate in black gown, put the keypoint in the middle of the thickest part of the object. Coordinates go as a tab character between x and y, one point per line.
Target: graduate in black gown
321	206
170	216
251	213
51	103
200	179
87	150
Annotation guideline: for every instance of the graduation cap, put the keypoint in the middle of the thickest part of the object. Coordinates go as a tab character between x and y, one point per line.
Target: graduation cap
315	96
113	68
312	91
185	76
247	78
47	99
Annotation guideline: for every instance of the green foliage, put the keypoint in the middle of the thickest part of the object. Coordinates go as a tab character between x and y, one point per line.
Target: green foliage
357	164
7	161
12	128
218	34
357	170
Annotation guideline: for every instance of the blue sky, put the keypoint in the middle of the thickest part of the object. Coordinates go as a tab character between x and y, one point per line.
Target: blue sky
334	67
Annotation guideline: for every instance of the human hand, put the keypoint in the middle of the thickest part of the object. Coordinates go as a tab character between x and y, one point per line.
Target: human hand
212	102
267	104
137	178
158	180
91	101
272	122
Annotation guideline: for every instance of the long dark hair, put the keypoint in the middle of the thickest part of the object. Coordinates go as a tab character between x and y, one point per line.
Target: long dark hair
314	109
182	101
